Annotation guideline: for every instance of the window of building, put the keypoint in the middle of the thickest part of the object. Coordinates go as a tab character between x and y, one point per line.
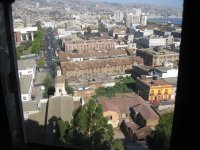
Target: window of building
24	98
152	92
152	98
159	92
109	118
166	91
60	90
127	114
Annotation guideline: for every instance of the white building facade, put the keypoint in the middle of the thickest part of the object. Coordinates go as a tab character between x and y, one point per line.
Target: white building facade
26	33
153	41
166	73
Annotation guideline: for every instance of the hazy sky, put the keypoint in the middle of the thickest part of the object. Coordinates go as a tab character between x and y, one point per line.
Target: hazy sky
174	3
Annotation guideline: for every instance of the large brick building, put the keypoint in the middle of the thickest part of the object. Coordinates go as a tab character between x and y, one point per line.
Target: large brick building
92	44
90	55
111	66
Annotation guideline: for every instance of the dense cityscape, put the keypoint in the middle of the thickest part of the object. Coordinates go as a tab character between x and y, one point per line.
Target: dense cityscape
97	75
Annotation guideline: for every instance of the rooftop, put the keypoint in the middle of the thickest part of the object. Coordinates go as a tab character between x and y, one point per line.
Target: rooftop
26	64
125	104
151	82
163	69
92	54
142	133
93	40
130	124
30	106
60	107
100	63
25	82
163	51
35	127
144	67
172	81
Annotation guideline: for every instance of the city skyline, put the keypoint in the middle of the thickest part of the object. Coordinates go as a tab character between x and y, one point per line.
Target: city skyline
172	3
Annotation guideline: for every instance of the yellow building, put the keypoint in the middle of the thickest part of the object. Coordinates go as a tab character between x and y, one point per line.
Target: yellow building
154	90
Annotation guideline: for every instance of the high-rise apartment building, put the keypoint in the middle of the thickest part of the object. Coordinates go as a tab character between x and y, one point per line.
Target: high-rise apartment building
129	20
143	20
136	16
118	16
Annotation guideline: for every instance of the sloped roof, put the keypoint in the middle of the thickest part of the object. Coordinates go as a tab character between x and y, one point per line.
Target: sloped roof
132	125
70	66
59	79
125	104
25	83
26	64
120	105
60	107
142	133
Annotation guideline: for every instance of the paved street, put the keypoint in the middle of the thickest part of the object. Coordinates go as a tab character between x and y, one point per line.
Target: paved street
51	47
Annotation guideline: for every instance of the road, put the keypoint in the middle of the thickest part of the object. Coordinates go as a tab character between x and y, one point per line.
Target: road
51	47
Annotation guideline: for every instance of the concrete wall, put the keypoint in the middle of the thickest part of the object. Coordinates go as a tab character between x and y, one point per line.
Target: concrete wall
30	71
169	74
26	97
115	118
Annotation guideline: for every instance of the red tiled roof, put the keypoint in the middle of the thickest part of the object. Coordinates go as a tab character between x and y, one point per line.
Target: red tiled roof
132	125
142	133
123	105
100	63
120	105
151	82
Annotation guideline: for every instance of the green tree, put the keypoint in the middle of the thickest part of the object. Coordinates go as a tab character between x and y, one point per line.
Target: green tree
36	47
89	30
39	34
40	63
49	86
117	145
89	129
101	28
54	66
120	87
160	138
39	25
18	55
69	89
